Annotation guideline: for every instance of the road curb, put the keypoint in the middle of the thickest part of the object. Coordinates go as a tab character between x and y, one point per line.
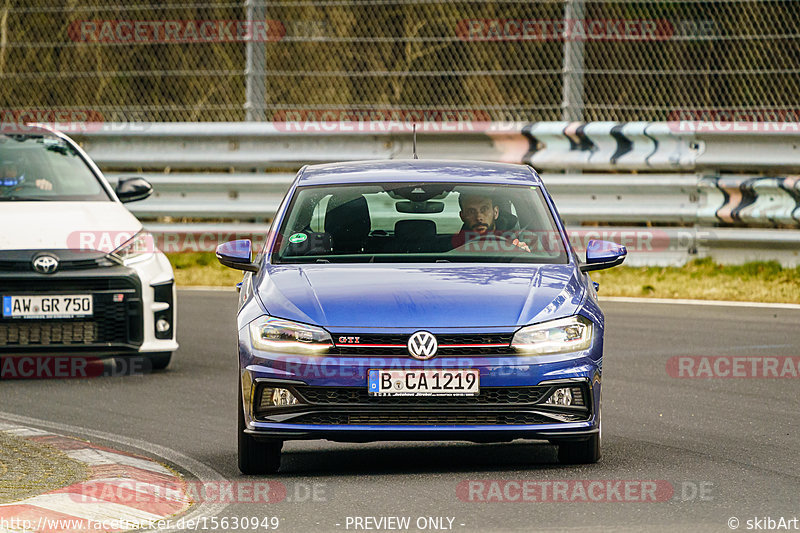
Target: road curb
123	491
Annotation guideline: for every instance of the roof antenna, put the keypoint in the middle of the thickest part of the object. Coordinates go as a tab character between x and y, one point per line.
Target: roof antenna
414	143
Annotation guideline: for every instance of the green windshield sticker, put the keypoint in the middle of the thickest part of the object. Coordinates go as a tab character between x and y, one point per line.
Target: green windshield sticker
297	238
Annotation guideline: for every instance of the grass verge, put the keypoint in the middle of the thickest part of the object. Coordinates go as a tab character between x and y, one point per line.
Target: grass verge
701	279
202	268
29	468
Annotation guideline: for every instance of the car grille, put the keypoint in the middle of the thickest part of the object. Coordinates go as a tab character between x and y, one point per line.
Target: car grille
112	324
21	260
25	266
423	419
42	284
493	406
449	345
359	396
61	332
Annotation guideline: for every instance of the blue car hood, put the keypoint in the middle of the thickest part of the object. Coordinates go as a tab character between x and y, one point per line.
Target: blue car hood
342	297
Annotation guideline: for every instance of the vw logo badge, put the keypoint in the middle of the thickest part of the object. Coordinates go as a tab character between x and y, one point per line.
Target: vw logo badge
422	345
45	264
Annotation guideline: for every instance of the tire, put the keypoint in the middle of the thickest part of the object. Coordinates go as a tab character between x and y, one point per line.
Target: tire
256	457
583	452
158	361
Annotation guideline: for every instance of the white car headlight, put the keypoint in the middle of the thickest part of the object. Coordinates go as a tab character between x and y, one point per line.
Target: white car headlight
138	248
278	335
564	335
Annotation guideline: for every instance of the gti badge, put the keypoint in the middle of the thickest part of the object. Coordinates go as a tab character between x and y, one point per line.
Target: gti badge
45	264
422	345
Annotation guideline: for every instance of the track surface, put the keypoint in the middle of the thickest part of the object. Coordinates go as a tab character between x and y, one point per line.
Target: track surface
736	437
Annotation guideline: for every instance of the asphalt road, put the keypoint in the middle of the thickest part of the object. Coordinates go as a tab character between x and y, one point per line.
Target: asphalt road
728	447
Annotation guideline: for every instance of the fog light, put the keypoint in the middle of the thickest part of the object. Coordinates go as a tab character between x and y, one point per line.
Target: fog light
162	325
561	396
281	397
277	398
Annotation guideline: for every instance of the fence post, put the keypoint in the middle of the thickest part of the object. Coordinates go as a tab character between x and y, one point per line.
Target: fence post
255	69
572	101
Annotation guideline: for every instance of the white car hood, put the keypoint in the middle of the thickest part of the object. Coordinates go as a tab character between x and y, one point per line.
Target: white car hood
65	225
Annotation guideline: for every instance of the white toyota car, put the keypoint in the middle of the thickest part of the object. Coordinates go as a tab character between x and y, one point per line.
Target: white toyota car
78	274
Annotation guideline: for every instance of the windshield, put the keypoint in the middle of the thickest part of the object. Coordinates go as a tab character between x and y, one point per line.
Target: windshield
418	222
44	167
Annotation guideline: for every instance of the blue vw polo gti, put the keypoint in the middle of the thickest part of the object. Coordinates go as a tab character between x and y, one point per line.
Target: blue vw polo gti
418	300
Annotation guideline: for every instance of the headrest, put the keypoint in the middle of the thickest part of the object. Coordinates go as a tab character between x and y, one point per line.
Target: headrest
347	222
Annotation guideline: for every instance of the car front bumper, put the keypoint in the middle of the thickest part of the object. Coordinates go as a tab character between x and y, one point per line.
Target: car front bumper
145	291
363	418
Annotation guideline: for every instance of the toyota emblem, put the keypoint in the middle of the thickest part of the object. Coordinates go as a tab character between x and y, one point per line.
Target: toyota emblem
422	345
45	264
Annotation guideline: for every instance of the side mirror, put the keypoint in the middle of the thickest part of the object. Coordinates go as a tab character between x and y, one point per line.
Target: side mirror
133	189
603	254
237	254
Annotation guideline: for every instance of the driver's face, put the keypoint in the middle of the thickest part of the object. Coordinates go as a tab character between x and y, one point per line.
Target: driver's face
9	171
479	214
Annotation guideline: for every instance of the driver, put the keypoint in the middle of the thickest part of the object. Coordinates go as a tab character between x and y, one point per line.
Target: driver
479	215
10	176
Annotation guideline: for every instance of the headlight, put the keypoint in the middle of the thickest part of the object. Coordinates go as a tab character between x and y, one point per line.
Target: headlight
138	248
277	335
564	335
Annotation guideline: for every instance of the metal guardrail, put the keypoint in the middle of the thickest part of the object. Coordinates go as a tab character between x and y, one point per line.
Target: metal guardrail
606	198
594	146
616	173
664	146
595	197
266	146
245	196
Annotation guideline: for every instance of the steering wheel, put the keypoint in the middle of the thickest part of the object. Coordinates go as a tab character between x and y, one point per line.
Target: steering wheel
488	237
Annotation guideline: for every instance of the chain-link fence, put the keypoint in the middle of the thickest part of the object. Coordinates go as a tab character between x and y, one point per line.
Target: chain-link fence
394	59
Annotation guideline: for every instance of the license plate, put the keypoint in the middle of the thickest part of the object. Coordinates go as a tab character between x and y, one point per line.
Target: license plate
457	382
50	306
